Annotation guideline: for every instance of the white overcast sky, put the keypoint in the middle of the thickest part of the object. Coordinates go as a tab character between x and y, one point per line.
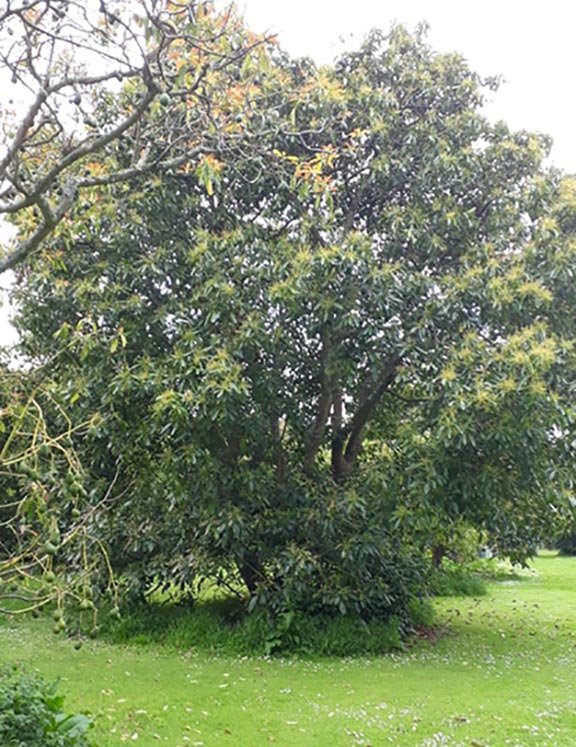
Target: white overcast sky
531	45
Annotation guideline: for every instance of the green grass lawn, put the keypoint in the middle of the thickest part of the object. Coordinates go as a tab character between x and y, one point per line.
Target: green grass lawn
502	672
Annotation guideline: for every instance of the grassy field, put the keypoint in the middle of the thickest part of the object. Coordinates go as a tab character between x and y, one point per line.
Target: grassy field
502	672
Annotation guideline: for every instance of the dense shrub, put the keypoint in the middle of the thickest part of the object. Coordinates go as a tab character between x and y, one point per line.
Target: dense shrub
344	561
31	714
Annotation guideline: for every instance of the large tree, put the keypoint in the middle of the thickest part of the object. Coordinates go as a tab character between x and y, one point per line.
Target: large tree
325	330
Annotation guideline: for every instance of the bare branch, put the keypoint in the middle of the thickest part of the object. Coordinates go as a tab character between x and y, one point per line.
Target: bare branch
51	219
44	45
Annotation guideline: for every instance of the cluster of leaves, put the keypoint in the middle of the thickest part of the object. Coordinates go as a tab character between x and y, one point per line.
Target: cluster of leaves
457	579
566	544
565	539
31	714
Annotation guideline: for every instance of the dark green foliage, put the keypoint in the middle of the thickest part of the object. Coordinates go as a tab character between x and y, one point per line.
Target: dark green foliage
31	714
422	614
567	544
469	577
340	557
493	569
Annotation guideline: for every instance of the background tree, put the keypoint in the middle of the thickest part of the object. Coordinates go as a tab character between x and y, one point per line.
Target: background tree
319	336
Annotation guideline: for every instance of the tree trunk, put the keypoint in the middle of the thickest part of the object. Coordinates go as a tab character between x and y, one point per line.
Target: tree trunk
438	553
251	571
347	440
315	436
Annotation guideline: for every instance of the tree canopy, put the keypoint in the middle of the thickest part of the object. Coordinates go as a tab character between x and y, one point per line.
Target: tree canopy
306	351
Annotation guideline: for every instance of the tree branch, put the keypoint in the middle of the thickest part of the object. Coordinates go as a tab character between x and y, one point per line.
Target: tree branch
366	408
316	433
42	153
347	440
51	219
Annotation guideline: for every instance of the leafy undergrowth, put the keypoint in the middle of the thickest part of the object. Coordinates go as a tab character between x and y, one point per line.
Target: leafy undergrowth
454	579
500	673
221	627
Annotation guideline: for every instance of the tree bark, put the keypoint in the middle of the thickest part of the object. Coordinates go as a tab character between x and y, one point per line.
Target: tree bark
279	453
316	433
438	553
251	571
338	436
347	441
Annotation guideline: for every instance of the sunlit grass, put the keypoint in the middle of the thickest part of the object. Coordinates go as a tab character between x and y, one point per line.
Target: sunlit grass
500	673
